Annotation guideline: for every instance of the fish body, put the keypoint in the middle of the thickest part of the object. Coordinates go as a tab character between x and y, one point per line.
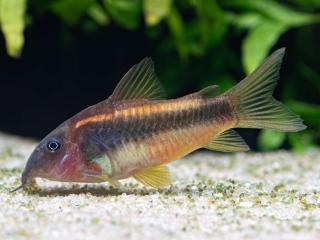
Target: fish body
135	132
139	134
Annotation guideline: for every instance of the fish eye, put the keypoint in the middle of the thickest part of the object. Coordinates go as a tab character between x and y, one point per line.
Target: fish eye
53	145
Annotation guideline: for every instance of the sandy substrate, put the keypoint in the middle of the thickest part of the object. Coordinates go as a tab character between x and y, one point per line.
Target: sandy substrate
214	196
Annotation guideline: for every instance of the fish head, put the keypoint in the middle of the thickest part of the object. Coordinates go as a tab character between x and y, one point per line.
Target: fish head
55	158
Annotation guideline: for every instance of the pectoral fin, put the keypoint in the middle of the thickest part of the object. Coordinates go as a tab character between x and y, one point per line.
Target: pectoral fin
156	177
93	169
104	178
228	141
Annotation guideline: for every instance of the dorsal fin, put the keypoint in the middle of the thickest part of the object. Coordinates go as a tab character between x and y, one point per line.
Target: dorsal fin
207	92
157	177
228	141
140	82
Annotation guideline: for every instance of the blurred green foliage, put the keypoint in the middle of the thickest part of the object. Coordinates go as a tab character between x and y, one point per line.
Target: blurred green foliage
201	32
12	15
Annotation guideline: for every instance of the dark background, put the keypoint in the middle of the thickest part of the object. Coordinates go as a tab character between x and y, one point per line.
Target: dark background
53	80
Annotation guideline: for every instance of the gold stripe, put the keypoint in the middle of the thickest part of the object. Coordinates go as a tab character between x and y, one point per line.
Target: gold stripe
154	108
144	110
94	119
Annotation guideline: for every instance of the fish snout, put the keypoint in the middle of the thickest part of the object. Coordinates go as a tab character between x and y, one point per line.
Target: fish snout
27	177
31	170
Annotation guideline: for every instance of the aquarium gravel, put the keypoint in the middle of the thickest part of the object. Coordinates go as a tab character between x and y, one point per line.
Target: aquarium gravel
214	196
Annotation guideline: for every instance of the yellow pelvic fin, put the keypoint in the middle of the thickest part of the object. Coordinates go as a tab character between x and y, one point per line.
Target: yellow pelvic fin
156	177
228	141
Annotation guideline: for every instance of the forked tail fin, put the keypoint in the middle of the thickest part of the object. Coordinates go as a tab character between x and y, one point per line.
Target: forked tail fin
253	102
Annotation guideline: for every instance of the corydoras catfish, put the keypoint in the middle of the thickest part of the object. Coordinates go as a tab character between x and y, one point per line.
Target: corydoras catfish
135	132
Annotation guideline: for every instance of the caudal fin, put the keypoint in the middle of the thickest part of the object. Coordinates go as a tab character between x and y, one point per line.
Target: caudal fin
253	102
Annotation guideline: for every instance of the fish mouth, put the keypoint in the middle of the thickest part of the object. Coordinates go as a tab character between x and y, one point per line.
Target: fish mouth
26	179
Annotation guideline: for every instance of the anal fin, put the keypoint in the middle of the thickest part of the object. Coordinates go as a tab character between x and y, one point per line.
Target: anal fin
228	141
156	177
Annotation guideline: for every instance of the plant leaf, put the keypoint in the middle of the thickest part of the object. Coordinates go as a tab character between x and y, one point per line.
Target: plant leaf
98	14
12	18
283	14
310	113
258	42
70	11
155	10
270	139
302	141
277	12
176	26
124	12
245	20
